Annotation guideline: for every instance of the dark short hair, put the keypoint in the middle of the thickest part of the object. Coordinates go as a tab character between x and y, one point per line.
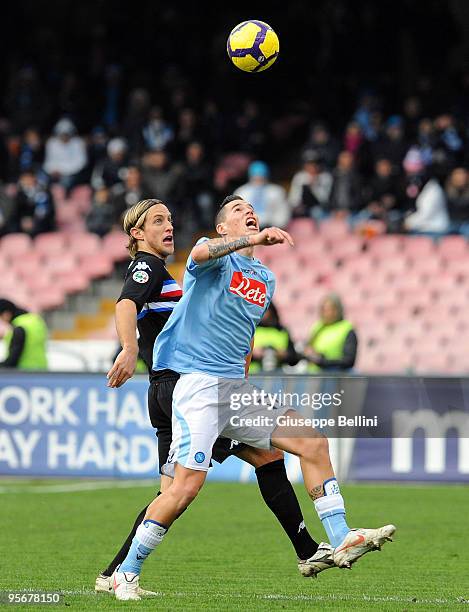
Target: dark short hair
220	212
6	306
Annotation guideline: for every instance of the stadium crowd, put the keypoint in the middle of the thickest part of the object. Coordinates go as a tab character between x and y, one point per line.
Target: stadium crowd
408	170
77	108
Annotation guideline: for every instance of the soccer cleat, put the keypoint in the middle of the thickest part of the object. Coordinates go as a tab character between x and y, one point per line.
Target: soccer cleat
104	584
126	586
360	541
322	559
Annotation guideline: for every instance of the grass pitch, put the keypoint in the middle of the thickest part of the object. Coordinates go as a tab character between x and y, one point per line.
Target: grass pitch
227	552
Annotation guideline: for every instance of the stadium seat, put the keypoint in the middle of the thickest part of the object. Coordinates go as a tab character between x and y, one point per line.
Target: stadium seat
384	246
72	283
334	228
114	244
50	243
40	282
84	242
395	266
49	298
18	294
360	266
96	266
66	263
30	263
395	362
419	247
346	248
453	248
81	198
431	363
302	228
14	245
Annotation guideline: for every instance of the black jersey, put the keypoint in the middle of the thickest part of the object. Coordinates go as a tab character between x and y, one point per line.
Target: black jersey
155	293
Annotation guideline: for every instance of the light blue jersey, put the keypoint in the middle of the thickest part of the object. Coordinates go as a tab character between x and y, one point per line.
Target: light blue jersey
211	327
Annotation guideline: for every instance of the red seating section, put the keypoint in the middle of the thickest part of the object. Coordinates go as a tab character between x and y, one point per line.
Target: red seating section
406	295
39	274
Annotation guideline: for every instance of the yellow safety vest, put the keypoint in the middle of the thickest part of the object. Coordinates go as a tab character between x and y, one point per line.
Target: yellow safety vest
329	340
33	356
268	337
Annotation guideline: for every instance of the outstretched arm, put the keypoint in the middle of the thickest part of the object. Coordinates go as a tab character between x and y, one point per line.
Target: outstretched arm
219	247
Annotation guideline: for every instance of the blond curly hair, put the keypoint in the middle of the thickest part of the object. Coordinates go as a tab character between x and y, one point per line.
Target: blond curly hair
135	217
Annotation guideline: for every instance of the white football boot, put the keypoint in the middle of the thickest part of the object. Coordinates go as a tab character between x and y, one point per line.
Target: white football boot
104	584
125	586
360	541
322	559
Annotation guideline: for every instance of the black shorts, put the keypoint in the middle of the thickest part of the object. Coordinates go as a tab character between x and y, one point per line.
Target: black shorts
160	401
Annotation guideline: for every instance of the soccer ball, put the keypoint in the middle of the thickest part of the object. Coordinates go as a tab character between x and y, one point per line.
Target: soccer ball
252	46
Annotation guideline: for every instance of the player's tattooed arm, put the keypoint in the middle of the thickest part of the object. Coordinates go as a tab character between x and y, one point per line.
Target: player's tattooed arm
218	247
317	492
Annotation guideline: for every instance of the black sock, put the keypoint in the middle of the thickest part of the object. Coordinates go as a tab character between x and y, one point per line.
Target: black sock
122	554
279	495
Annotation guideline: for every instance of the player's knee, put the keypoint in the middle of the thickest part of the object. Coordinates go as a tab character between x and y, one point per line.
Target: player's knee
259	457
315	450
186	491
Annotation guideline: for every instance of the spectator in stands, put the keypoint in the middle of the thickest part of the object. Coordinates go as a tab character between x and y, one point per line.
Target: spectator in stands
268	199
97	148
449	146
346	196
365	115
322	143
425	195
13	143
34	206
412	110
7	205
66	156
111	170
310	188
457	193
160	178
333	342
426	140
249	129
197	185
102	215
157	133
26	340
187	131
135	119
382	195
112	94
392	144
353	139
273	347
125	195
32	150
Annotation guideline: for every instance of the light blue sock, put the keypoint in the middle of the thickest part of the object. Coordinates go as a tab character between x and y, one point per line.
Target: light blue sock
147	537
331	511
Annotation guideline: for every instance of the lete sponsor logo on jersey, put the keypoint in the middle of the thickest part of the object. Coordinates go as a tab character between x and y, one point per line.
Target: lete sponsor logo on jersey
251	290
